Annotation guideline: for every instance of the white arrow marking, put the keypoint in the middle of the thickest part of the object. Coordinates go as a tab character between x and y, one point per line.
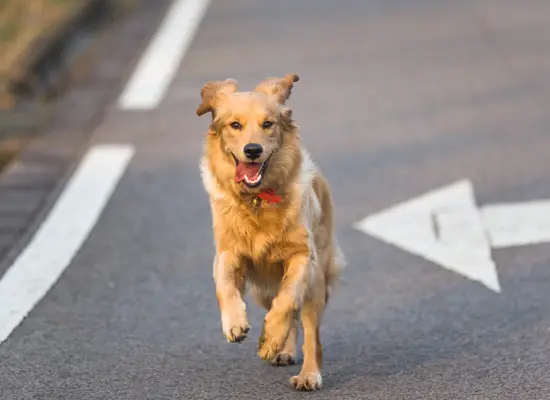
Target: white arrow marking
517	224
443	226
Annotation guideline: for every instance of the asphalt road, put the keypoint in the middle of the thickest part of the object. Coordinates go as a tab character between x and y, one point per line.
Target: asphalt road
396	98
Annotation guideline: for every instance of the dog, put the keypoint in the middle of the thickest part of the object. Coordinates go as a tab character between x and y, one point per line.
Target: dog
272	220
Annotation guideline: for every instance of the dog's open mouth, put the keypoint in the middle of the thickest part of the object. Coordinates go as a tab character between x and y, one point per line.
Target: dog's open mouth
250	173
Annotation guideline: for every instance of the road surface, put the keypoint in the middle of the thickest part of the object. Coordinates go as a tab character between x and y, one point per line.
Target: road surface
396	99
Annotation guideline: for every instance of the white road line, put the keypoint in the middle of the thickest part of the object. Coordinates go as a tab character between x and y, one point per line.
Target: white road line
61	234
517	224
159	63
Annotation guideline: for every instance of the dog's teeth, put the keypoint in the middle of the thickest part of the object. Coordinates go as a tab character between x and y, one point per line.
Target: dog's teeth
252	181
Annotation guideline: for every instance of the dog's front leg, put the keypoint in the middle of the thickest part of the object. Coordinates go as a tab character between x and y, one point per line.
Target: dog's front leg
229	276
282	316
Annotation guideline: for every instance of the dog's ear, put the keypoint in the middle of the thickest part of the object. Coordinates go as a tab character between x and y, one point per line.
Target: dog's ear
278	87
211	92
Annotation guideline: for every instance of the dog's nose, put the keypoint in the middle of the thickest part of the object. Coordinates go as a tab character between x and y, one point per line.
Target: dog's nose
253	150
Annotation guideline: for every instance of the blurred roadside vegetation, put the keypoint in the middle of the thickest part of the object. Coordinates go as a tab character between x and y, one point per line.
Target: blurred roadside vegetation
22	23
9	148
25	26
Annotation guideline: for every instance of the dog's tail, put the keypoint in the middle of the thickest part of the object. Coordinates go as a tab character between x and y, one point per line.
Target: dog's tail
336	264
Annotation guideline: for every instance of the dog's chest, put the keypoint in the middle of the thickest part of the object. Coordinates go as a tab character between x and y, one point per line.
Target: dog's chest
266	235
260	244
265	276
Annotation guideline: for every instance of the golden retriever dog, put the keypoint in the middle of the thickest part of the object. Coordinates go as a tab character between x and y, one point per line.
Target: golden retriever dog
272	218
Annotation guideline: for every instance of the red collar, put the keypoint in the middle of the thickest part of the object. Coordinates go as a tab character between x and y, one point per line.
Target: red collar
270	196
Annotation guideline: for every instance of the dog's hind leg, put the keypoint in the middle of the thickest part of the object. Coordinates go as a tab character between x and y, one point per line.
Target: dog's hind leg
310	375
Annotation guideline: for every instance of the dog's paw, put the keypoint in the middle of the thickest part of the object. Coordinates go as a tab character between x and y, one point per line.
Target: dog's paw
236	334
274	334
307	382
235	327
282	360
270	348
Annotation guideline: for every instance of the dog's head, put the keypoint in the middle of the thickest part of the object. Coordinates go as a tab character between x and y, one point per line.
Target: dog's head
248	126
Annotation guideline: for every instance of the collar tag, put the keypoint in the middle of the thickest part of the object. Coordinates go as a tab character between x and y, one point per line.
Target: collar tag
256	202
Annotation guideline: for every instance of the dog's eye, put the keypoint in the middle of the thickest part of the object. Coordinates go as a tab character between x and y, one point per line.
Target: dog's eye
267	124
236	125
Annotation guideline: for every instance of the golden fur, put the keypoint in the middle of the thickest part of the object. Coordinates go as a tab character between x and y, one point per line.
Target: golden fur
285	252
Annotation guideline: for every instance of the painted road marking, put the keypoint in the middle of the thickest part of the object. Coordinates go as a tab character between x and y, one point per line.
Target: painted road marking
62	233
158	65
426	227
447	227
517	224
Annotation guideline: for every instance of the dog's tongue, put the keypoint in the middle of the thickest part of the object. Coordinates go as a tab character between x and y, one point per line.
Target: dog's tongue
247	169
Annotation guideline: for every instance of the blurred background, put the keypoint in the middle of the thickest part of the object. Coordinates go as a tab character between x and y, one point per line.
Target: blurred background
396	98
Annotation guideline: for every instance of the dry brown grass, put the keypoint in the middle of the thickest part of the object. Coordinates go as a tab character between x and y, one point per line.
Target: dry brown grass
24	21
10	148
